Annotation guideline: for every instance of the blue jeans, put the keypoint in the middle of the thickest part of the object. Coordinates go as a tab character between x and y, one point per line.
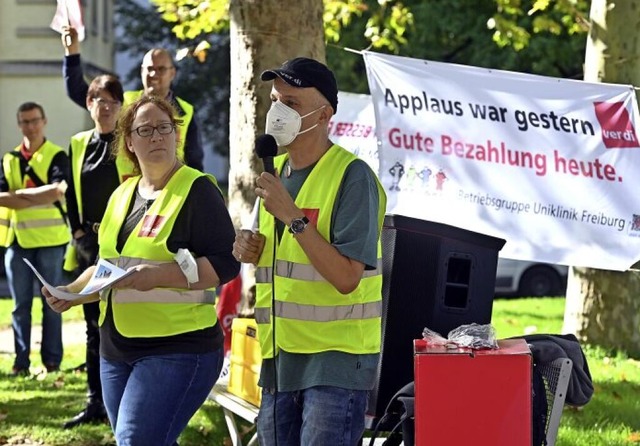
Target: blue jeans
318	416
48	261
150	401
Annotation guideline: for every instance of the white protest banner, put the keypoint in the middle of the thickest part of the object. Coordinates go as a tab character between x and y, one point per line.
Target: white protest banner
352	127
68	13
548	164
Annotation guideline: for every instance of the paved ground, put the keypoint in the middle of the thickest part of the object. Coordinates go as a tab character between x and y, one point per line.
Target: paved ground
72	333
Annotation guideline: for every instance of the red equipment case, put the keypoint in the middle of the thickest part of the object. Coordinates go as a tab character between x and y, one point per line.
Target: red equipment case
473	397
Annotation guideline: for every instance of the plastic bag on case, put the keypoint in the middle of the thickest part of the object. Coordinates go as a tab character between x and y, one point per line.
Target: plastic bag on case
474	336
434	338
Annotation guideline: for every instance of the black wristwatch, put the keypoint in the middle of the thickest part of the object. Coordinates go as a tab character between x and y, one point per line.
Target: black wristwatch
298	225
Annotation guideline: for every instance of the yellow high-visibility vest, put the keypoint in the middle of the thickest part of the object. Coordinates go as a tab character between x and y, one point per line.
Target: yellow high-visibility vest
310	314
36	226
161	311
124	168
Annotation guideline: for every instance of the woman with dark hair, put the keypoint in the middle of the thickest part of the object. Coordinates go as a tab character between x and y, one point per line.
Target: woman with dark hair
95	174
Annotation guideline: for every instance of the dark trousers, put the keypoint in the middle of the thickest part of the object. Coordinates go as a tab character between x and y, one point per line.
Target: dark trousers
91	315
87	252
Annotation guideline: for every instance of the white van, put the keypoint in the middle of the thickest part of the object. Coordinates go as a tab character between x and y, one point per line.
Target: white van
531	279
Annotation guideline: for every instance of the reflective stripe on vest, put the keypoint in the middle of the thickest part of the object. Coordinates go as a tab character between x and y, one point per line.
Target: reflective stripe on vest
302	271
187	108
158	295
315	313
305	303
42	223
7	234
160	311
36	226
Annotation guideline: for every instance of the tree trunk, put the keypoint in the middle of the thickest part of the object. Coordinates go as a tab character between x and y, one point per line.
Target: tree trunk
264	33
603	307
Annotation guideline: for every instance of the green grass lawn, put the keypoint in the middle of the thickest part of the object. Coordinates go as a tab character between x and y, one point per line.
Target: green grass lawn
612	417
35	407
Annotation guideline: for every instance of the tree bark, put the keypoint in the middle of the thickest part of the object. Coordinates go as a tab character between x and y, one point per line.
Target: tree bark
603	307
264	34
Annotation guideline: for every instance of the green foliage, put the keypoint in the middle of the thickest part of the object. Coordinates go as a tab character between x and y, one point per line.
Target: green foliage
448	32
204	81
192	18
385	27
531	36
338	15
512	24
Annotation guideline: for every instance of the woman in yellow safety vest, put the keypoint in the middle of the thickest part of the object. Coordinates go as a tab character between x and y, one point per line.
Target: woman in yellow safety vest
160	342
95	174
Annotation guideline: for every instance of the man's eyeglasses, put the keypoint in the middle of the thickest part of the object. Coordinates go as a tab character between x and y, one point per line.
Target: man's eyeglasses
30	121
106	103
160	70
145	131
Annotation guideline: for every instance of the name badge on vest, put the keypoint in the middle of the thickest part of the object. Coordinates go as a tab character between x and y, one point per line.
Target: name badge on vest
151	225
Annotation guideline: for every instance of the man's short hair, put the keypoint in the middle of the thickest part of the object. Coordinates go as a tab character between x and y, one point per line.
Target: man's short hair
28	106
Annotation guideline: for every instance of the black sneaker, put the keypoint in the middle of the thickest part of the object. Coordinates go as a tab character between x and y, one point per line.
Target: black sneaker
52	368
93	413
20	371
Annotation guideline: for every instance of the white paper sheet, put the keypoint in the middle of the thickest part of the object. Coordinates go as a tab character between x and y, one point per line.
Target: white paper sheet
105	275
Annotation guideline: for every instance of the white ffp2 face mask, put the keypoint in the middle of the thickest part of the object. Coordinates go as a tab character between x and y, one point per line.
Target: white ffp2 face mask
283	123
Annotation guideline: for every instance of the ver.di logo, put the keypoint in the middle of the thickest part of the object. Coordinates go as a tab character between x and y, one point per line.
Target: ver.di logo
617	128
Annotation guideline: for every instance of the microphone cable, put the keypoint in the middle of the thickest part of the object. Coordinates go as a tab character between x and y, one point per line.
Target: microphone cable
266	148
273	331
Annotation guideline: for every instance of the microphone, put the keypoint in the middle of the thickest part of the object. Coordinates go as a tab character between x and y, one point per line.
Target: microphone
266	149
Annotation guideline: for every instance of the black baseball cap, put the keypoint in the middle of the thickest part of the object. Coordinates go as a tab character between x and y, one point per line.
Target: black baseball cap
303	72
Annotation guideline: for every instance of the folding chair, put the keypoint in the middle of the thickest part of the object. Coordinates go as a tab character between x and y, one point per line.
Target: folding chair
556	376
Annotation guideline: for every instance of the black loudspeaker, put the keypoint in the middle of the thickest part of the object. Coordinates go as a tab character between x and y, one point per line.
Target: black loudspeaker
435	276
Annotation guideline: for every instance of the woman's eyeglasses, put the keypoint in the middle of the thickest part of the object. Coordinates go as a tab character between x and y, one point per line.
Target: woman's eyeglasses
106	103
145	131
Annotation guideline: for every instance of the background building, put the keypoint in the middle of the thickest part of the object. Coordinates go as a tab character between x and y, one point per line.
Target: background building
31	65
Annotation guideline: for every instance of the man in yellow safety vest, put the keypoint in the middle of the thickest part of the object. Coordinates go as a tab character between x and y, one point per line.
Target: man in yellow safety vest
38	233
319	269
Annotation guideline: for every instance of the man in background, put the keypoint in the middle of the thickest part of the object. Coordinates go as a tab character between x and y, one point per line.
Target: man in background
157	74
36	233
